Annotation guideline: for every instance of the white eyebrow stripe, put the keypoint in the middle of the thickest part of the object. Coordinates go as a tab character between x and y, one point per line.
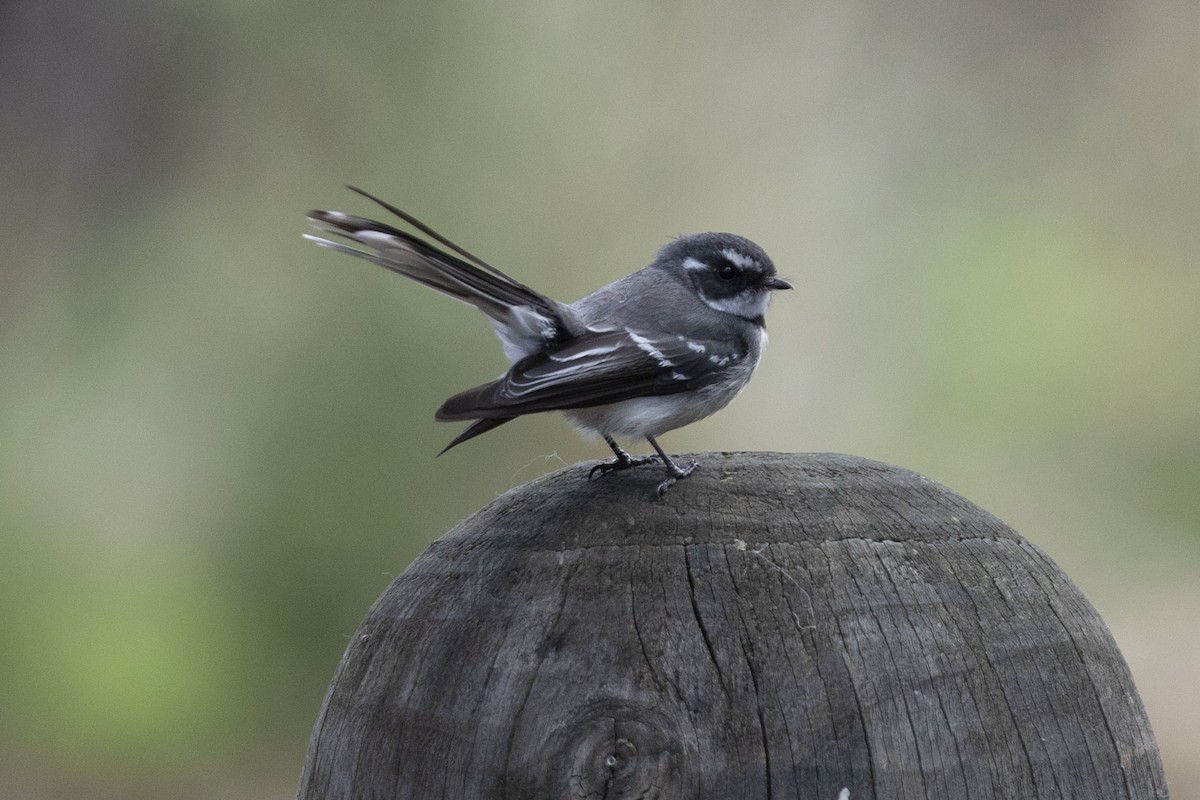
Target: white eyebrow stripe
649	349
741	259
694	264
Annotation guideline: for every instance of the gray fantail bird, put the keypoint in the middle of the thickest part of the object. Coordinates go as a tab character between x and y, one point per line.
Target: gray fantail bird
654	351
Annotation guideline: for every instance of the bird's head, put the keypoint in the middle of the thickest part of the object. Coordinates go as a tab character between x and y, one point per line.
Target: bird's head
731	274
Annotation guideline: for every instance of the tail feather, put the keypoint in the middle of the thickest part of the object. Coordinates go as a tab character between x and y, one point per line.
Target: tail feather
478	427
480	284
423	228
411	257
465	405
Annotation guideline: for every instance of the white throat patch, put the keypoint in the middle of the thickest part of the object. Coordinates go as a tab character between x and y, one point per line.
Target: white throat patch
748	304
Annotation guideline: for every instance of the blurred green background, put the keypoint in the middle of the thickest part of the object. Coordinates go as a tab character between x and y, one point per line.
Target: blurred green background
216	441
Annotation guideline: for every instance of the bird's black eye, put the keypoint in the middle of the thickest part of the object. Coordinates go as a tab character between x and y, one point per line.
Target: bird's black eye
727	272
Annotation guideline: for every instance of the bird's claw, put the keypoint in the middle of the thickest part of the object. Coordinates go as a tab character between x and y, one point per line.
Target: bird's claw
677	473
605	467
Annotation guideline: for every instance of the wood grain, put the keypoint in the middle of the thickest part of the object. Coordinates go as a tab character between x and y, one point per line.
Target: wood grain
778	626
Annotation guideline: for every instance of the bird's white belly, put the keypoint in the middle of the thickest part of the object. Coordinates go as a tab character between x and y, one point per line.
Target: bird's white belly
651	416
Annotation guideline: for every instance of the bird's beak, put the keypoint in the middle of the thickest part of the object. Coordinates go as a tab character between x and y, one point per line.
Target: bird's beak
778	283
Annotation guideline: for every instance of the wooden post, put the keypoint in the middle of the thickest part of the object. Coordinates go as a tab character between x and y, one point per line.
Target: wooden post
778	626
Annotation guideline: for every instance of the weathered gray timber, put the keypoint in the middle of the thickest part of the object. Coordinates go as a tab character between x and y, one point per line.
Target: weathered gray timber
778	626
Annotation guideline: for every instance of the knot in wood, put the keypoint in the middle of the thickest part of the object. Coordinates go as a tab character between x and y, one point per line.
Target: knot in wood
621	750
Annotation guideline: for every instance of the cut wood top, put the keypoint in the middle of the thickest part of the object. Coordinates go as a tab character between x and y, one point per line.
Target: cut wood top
778	626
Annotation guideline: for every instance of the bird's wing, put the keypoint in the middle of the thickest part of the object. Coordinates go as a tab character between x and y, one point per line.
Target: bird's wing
597	368
525	320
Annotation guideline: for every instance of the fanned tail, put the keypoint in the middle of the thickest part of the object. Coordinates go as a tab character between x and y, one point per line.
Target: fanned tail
526	320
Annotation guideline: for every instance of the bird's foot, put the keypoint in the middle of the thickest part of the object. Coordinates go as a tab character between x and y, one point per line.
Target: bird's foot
675	473
619	463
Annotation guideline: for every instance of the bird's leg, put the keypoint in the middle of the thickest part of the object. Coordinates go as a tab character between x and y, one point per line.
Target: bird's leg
623	460
674	471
